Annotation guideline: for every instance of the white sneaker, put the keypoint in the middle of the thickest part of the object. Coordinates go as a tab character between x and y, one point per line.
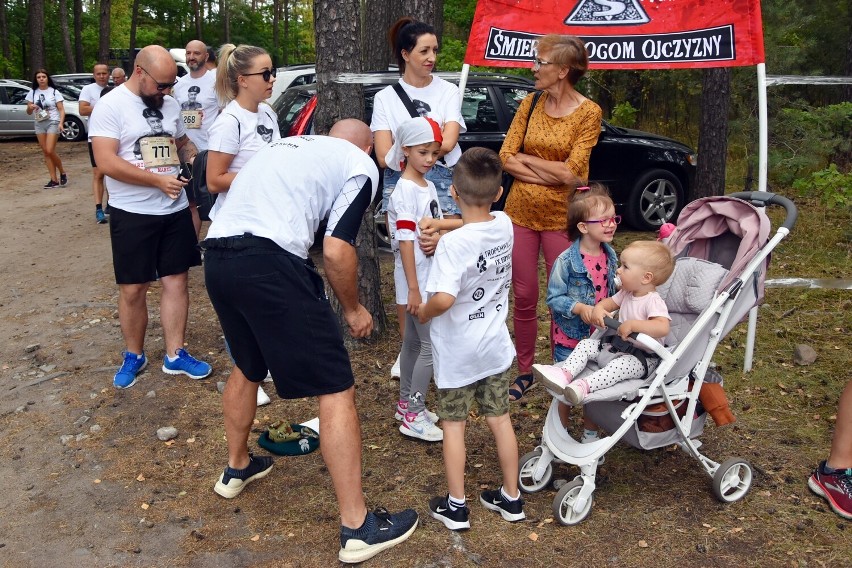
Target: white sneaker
400	414
551	376
262	397
395	370
419	426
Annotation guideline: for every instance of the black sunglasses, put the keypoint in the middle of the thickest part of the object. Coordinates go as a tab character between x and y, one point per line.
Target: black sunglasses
266	74
160	86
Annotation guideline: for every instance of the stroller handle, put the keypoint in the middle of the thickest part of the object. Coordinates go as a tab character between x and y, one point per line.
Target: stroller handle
764	198
613	323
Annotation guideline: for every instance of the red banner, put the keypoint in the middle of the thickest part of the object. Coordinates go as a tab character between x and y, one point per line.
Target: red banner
621	34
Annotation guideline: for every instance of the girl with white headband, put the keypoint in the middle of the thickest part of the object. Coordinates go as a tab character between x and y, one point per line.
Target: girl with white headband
416	148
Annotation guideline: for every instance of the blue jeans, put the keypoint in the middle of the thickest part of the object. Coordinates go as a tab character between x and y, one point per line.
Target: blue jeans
560	353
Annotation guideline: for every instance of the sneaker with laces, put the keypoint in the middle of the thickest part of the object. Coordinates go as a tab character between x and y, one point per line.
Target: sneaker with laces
126	375
63	180
553	377
51	184
381	530
100	217
835	487
402	408
512	511
233	481
186	364
439	508
417	425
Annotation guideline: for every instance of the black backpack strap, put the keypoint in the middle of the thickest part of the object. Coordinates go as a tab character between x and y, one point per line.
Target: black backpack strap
403	96
536	96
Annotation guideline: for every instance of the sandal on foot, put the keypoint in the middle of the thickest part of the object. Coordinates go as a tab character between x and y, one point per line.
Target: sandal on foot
522	384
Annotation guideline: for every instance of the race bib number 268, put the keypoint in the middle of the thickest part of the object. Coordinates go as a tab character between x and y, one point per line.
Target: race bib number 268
191	118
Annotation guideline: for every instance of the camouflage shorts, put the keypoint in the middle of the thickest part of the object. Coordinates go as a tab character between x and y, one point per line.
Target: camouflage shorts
490	393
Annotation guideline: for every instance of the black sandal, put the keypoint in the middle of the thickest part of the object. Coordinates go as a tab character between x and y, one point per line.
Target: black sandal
522	384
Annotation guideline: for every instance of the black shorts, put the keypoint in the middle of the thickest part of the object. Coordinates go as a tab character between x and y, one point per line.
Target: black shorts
92	155
146	247
276	317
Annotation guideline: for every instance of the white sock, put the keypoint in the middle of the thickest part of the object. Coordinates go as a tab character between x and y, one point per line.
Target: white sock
506	495
455	503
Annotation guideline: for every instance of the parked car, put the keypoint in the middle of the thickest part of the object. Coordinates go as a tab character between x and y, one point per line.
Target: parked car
650	177
78	79
292	76
14	120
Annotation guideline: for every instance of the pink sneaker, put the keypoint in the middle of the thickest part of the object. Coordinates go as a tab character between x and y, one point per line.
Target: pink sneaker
576	392
553	377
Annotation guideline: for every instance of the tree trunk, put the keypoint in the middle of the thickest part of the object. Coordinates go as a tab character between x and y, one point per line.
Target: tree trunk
66	37
847	90
375	49
286	10
429	11
713	132
78	34
337	28
134	15
5	48
196	12
224	13
276	34
104	30
36	33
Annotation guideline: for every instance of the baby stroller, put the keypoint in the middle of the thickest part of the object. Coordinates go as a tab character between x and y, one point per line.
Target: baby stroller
722	247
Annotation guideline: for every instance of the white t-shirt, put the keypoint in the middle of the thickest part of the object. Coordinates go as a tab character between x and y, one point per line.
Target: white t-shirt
46	99
91	93
241	133
294	183
203	98
124	117
470	341
439	100
408	204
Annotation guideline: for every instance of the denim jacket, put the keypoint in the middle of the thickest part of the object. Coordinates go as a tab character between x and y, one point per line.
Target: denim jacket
570	283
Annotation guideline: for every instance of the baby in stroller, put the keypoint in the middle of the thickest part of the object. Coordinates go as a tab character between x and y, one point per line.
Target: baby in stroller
644	266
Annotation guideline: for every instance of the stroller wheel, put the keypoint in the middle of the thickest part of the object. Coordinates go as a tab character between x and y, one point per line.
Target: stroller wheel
528	464
732	480
566	499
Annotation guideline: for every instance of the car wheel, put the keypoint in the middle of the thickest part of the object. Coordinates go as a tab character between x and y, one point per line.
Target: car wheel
73	129
656	198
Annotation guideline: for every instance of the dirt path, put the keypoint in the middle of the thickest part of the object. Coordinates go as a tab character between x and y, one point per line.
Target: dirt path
86	482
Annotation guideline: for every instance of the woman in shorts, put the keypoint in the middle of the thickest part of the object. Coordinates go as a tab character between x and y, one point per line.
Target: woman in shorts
44	102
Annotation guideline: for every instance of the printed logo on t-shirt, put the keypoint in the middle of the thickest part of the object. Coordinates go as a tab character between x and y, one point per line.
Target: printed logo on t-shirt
478	314
481	264
422	107
154	118
478	294
192	95
265	133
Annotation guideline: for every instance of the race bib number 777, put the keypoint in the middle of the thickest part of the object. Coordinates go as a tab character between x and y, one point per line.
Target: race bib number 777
159	151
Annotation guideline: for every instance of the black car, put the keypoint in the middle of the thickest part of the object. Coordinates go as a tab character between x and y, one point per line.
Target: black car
650	177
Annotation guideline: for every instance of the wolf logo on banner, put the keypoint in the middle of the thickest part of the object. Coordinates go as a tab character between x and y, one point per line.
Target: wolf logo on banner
607	12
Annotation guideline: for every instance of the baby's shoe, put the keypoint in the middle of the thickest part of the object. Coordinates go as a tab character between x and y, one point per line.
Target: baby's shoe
576	392
553	377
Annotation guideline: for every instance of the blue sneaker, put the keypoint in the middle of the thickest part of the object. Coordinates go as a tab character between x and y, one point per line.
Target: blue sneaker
381	530
186	364
126	375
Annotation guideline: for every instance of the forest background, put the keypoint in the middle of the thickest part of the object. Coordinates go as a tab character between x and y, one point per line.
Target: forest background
810	148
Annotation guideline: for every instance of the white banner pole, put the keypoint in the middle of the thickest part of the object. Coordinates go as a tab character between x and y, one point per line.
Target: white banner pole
762	173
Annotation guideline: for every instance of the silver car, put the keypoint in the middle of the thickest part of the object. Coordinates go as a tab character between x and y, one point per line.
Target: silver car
14	120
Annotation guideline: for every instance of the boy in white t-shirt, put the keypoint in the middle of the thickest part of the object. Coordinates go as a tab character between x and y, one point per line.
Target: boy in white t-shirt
417	145
469	301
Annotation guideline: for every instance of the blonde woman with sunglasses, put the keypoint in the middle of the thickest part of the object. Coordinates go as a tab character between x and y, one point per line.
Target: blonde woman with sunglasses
246	124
